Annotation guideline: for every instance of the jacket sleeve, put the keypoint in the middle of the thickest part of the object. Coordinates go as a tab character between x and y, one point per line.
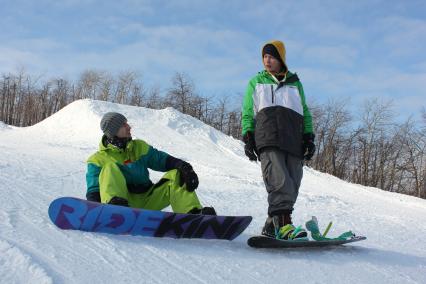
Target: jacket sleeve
149	156
156	159
307	117
92	178
247	119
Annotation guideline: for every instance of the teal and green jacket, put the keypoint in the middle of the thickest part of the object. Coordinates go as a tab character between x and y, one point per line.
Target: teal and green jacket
276	112
134	162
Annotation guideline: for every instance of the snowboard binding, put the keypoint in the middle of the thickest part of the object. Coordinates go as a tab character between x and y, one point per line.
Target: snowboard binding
313	227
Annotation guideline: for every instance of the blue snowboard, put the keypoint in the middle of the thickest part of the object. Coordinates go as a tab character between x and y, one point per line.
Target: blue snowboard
71	213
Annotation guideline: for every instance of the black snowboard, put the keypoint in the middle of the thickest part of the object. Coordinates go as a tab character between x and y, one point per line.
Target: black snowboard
267	242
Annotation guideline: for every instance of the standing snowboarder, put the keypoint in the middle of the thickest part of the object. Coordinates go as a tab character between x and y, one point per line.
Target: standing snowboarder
118	173
277	130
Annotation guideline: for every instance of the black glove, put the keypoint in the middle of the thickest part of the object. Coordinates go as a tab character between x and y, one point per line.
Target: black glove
187	174
250	147
308	146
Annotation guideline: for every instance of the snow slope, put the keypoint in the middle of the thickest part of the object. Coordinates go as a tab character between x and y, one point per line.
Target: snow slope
46	161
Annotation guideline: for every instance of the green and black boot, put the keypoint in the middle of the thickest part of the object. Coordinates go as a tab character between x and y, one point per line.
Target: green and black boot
281	227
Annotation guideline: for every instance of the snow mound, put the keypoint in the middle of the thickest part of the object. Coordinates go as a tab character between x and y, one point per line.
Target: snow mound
47	160
4	126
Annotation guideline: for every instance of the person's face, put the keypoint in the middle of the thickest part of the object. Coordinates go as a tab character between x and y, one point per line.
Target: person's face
272	65
124	131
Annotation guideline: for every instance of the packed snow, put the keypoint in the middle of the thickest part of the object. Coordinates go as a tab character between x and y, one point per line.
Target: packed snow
47	161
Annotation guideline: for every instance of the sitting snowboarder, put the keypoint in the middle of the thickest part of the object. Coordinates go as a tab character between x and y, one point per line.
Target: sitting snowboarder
277	130
118	173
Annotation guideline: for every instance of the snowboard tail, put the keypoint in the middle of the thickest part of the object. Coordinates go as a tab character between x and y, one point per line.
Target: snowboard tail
267	242
71	213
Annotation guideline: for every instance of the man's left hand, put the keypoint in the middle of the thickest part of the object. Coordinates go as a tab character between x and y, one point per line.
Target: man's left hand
188	176
308	146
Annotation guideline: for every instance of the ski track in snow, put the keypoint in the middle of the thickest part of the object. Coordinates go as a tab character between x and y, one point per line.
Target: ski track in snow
18	267
46	161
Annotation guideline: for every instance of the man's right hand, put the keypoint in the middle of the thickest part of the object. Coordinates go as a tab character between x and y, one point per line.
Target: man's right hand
250	147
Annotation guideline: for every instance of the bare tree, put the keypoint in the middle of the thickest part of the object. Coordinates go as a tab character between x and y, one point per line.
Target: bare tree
154	99
88	84
331	128
220	112
125	84
106	87
180	94
375	118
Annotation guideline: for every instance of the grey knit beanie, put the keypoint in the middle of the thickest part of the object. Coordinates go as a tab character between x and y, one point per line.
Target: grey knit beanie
111	122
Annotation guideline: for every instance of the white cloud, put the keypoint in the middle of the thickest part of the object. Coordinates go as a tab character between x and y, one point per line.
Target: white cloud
13	59
217	60
402	36
419	66
311	20
407	90
342	55
36	44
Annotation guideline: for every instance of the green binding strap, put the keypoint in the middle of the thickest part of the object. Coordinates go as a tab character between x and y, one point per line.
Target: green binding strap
327	229
295	233
290	233
346	235
284	231
312	226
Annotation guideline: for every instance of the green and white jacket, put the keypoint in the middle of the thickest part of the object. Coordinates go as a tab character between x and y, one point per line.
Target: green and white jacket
276	112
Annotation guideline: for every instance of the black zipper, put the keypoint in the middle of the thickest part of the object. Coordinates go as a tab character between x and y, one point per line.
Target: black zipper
272	90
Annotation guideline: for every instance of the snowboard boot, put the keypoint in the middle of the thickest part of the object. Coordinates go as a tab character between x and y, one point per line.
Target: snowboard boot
281	227
119	201
271	227
203	211
268	229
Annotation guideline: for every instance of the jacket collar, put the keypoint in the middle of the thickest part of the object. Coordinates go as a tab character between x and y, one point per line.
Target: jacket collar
287	76
105	146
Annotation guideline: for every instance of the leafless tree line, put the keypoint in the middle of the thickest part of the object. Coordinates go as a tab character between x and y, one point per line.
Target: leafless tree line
25	101
371	148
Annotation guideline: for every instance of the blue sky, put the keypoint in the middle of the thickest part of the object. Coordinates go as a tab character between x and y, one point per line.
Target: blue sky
340	49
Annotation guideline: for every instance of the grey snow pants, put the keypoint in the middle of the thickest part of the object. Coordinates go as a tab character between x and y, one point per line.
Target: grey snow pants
282	174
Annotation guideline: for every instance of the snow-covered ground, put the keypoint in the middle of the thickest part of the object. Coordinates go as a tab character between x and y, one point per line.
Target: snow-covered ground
46	161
